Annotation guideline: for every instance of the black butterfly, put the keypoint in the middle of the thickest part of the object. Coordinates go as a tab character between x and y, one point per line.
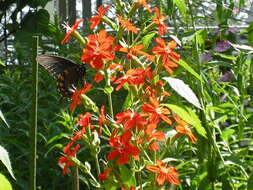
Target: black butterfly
67	72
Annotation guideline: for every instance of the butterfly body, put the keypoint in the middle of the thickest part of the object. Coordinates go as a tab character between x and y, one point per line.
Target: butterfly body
67	72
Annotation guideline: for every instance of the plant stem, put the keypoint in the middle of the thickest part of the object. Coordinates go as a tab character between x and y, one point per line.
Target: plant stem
97	165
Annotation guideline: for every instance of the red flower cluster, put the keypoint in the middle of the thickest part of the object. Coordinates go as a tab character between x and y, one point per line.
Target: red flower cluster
122	147
137	127
98	50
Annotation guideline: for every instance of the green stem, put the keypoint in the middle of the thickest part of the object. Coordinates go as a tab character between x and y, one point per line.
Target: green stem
97	165
79	37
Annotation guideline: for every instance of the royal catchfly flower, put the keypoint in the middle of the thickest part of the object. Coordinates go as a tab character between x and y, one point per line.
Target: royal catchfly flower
122	149
164	172
130	120
169	56
155	111
98	50
97	19
76	96
183	127
127	25
66	158
71	30
159	20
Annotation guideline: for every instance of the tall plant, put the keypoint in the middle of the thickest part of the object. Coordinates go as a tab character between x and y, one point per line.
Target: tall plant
134	148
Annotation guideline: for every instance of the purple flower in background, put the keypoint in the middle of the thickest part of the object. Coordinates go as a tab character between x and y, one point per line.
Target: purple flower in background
227	77
206	57
232	30
222	46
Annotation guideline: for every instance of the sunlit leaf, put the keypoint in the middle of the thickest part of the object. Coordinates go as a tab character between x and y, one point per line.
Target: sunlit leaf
4	157
146	40
4	183
183	90
189	117
3	119
181	7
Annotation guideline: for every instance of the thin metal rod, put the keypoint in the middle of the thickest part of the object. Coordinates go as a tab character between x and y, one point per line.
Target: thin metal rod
33	127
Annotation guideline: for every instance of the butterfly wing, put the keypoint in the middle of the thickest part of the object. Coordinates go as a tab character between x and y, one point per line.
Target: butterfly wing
67	72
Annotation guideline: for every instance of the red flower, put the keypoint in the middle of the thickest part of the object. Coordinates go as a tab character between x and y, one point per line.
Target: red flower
155	111
98	77
97	19
103	176
70	31
183	128
169	173
159	20
84	120
167	52
144	4
154	136
76	96
66	159
136	50
127	25
130	119
98	49
132	77
122	147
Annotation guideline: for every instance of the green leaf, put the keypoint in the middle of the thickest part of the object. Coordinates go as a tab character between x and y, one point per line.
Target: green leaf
232	58
3	119
4	157
250	182
2	63
201	37
127	176
127	102
226	134
146	40
110	186
189	69
188	116
181	7
197	123
4	183
250	34
183	90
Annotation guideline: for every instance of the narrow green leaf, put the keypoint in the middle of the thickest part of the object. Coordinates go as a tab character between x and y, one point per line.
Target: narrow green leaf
4	157
189	69
201	37
229	57
181	7
146	40
127	176
4	183
3	119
